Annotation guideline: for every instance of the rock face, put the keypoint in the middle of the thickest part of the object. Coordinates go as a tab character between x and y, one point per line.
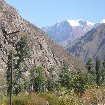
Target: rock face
43	50
91	45
64	32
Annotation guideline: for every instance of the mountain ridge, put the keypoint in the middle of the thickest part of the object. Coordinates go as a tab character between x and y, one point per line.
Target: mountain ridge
66	31
91	45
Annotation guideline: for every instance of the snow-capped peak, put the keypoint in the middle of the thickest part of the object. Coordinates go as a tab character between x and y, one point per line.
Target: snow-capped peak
90	23
78	22
73	22
102	21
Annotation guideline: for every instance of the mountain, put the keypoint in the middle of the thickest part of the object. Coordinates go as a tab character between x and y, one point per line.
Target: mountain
43	50
91	45
64	32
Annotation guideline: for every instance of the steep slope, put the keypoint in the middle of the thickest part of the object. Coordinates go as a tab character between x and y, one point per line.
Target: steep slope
90	45
63	32
43	50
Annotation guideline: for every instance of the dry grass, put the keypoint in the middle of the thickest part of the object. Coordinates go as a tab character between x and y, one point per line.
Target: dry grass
92	96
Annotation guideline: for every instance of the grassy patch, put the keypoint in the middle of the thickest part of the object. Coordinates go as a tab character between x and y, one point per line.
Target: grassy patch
92	96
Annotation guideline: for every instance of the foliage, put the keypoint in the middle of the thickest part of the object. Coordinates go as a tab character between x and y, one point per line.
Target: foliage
22	50
73	80
90	66
51	81
38	79
96	71
92	96
78	81
64	77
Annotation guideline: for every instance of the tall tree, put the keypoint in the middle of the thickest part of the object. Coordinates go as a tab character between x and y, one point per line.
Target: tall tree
51	81
103	73
91	71
38	79
64	77
22	50
98	71
78	81
90	66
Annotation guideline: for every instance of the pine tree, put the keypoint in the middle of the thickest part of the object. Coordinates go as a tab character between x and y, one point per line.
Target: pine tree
32	76
51	81
103	73
78	81
38	79
89	66
64	77
98	71
91	71
22	50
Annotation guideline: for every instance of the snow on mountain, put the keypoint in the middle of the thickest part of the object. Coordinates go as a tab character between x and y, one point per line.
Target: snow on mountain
66	31
73	22
90	23
78	22
102	21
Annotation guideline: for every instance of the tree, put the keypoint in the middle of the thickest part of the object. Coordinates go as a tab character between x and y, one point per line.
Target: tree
91	71
51	81
32	76
89	66
22	51
38	79
78	81
64	77
103	73
98	71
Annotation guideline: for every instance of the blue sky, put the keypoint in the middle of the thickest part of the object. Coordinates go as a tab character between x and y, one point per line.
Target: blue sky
48	12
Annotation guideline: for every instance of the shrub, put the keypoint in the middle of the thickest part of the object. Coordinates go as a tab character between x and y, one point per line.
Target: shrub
78	82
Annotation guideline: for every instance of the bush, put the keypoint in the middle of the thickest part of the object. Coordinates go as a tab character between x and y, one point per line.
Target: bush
78	82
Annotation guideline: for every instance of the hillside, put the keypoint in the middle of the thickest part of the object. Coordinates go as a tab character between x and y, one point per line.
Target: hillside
91	45
43	50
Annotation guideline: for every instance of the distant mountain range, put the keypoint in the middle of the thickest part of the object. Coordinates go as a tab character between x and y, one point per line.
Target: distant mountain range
82	38
91	45
65	32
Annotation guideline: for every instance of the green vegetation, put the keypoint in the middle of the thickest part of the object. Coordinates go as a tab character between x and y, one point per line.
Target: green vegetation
91	96
38	79
18	65
97	71
38	88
